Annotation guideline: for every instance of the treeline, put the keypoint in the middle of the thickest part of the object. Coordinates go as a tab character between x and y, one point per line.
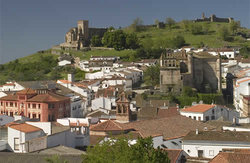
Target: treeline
44	68
116	39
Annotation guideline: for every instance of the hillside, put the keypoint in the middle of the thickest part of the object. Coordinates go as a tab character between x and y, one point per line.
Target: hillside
43	65
210	39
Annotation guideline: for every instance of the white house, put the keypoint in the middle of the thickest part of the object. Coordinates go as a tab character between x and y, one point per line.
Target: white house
2	94
64	62
207	144
33	136
204	112
229	53
241	89
78	106
20	134
11	86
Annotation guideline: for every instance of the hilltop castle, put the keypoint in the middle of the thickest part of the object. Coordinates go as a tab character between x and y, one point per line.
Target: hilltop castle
213	18
197	70
79	37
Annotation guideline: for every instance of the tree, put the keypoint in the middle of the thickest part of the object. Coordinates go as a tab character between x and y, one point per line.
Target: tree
132	41
223	33
152	75
189	92
115	39
137	24
96	41
176	42
206	27
196	28
170	22
118	150
185	24
234	25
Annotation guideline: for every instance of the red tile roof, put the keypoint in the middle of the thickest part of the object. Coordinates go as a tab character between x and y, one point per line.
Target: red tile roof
27	91
10	97
201	108
65	81
109	125
162	113
173	154
170	127
24	127
9	84
232	157
48	97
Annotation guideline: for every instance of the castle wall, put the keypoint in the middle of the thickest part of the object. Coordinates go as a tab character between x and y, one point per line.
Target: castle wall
171	80
97	31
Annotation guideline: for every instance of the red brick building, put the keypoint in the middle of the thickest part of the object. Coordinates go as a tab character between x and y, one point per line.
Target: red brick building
45	107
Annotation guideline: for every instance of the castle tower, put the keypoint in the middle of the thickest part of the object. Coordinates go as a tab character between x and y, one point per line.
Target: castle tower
123	112
170	75
203	16
83	32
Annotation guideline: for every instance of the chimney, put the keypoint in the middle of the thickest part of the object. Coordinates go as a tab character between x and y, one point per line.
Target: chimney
71	77
197	131
248	88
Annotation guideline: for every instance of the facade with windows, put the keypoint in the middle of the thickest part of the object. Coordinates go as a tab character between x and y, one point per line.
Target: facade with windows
207	144
45	107
204	112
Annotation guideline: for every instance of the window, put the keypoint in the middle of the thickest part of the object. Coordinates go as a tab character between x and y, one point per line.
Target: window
194	118
33	106
211	152
213	111
174	143
51	106
213	117
190	117
33	115
29	105
11	104
39	106
207	118
200	153
16	143
199	118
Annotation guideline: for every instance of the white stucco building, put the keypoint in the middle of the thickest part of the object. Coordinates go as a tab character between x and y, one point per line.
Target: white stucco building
241	90
207	144
229	53
204	112
64	62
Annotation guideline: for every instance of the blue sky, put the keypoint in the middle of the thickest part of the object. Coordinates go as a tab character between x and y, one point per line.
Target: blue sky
27	26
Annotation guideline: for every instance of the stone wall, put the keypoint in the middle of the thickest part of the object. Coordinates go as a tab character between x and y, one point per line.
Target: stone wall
170	80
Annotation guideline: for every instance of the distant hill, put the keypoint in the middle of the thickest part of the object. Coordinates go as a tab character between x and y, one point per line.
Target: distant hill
43	65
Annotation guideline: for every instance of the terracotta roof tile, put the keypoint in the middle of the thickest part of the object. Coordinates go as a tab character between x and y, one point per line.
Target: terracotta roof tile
9	84
201	108
162	113
109	125
27	91
10	97
24	127
65	81
170	127
231	157
173	154
48	97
